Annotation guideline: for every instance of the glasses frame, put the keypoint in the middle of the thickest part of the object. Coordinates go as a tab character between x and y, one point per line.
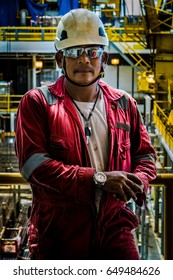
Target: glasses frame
81	50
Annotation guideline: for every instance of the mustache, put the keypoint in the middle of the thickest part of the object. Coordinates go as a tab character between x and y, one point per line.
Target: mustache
83	69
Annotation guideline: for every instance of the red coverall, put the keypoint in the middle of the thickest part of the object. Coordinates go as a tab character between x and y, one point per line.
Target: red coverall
53	158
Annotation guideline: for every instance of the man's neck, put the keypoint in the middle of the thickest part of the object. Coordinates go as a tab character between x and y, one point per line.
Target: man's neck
83	94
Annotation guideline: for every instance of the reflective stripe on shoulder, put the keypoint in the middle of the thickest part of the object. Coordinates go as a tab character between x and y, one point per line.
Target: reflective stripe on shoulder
123	101
32	163
145	157
50	98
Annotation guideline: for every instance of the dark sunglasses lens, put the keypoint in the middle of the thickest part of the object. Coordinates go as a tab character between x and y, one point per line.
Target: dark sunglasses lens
95	53
76	52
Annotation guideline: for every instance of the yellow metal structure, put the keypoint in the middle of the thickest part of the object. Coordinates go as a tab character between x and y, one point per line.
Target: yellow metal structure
118	34
160	22
19	33
135	24
9	102
163	122
23	33
146	82
170	95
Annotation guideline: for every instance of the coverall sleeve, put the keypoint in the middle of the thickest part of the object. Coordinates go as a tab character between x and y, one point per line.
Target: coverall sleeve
143	156
35	162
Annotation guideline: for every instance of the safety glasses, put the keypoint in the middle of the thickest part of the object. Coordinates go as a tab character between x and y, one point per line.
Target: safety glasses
92	52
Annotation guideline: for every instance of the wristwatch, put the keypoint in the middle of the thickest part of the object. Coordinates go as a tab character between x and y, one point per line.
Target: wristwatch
99	178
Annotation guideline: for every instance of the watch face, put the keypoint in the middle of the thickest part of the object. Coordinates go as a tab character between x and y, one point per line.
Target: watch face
100	177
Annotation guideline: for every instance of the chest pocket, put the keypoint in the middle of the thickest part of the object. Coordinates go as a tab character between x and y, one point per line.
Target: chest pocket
124	149
123	140
123	158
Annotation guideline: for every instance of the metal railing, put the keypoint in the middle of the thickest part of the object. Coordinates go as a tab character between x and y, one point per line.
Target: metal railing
28	33
164	180
12	179
130	32
162	122
9	102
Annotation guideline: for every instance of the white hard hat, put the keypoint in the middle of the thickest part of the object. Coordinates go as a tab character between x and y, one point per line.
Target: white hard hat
80	27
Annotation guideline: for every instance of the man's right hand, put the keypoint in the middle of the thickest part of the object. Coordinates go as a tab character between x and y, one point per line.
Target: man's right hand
125	185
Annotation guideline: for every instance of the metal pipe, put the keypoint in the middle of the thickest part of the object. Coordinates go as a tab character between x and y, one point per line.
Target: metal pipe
156	209
16	178
162	222
133	81
34	72
23	15
4	212
147	226
118	76
12	179
143	233
168	218
162	179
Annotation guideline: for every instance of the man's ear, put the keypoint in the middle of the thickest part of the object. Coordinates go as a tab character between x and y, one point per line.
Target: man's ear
59	58
103	64
104	59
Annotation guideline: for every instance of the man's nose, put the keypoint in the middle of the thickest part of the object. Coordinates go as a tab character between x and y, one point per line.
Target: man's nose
83	58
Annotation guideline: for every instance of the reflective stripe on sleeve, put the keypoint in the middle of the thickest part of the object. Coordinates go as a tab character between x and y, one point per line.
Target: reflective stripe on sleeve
32	163
145	157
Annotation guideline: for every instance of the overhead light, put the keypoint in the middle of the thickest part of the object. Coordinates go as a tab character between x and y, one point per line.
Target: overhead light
38	64
115	61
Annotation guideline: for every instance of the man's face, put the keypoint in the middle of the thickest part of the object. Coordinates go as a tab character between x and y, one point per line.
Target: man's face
83	64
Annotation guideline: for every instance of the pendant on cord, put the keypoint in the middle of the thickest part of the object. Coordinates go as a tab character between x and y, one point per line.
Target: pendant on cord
87	131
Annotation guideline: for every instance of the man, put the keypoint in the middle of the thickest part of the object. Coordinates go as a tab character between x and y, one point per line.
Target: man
84	149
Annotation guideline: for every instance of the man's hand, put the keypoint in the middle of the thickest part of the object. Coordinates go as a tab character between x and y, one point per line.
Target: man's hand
125	185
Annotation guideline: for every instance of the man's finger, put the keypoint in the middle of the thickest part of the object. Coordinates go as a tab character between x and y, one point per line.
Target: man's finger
134	178
130	192
135	187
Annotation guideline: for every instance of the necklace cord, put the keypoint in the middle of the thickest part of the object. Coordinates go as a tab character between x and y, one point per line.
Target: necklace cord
90	114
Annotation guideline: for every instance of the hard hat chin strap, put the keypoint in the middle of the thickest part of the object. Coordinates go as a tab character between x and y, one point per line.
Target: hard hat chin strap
101	75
